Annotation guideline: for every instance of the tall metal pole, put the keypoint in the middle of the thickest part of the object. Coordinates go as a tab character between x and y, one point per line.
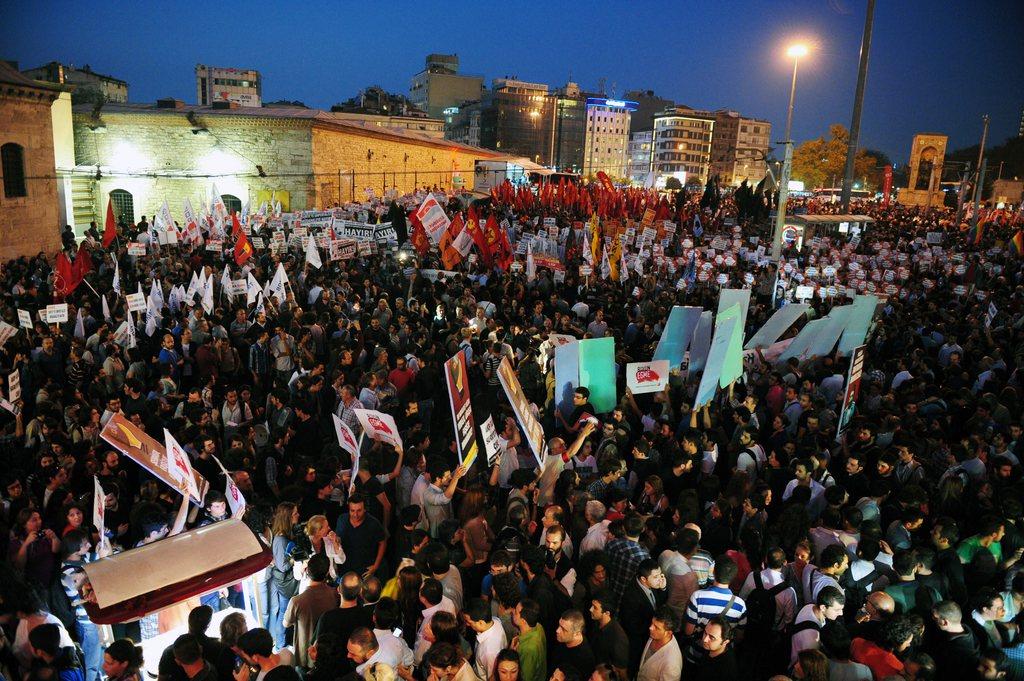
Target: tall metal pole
858	105
981	172
780	210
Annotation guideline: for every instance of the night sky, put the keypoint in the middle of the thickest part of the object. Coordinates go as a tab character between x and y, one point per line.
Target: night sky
935	66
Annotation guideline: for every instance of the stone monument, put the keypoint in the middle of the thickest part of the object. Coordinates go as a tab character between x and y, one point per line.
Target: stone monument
927	154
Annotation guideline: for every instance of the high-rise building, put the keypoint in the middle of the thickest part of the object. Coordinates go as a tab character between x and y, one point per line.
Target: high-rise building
739	146
568	134
439	85
647	105
682	143
639	152
217	84
516	118
89	85
607	136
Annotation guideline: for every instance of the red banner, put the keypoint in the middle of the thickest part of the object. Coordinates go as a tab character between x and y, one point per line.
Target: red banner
886	185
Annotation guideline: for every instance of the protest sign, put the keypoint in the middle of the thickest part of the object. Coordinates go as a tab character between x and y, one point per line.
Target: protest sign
521	407
597	372
24	319
58	314
852	389
675	339
379	426
433	218
457	376
14	386
136	301
776	325
647	377
134	443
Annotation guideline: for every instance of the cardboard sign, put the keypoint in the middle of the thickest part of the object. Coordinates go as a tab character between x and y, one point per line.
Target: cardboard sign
180	467
58	314
346	438
521	406
134	443
135	248
457	377
14	386
852	389
6	332
647	377
379	426
24	319
492	443
136	302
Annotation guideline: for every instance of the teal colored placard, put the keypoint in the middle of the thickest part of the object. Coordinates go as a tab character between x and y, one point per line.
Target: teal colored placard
597	372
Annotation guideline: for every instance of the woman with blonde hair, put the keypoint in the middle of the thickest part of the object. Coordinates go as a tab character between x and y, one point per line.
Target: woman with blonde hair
283	585
231	629
323	540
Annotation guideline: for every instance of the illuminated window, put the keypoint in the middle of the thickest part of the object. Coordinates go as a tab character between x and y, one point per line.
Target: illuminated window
232	203
13	157
124	206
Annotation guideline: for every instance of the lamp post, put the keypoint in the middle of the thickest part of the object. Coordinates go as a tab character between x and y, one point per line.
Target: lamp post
794	51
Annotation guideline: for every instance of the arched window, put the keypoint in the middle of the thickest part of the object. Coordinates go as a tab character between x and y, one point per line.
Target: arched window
13	158
124	206
232	203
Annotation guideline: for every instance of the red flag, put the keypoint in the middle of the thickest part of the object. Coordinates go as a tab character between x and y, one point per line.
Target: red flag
236	226
64	281
82	265
476	231
110	229
420	240
243	249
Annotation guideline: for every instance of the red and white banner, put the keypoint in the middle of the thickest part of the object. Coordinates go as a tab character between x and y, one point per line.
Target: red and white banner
433	218
647	377
234	495
98	514
179	466
379	426
346	438
457	377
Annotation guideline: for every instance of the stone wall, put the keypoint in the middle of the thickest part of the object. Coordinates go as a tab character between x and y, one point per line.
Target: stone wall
31	223
157	157
341	160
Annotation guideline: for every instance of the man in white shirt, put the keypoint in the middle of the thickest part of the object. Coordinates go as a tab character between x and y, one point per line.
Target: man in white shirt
811	620
802	470
490	636
680	578
432	599
391	647
769	578
662	658
597	534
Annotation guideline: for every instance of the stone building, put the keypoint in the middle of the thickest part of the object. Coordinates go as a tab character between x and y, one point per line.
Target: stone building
143	154
739	148
89	85
29	214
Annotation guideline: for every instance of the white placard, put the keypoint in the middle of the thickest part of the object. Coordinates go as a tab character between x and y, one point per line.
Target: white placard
491	444
56	314
14	386
647	377
24	318
136	302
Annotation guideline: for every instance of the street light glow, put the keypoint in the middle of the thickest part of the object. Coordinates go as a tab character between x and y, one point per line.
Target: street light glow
796	51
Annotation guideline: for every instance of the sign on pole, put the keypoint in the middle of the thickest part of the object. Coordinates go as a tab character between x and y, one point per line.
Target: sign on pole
379	426
852	389
457	377
521	406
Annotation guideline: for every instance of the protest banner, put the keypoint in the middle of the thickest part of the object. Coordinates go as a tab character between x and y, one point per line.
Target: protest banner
14	385
717	356
346	438
597	372
567	374
858	323
822	344
136	301
379	426
179	467
492	441
99	510
647	377
728	297
676	337
521	406
852	389
457	376
776	325
701	343
6	332
433	218
134	443
24	319
58	314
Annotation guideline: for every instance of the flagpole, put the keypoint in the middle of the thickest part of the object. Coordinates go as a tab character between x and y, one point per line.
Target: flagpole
86	282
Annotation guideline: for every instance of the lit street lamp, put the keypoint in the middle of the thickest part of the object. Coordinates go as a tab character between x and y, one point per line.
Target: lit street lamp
794	52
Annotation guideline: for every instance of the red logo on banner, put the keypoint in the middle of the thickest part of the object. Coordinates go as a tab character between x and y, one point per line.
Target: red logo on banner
378	424
647	374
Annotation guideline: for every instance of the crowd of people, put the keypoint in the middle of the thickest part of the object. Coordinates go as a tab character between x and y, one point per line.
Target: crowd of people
743	539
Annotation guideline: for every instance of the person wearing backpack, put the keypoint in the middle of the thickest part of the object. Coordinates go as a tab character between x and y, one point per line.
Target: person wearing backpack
771	607
805	634
45	642
862	577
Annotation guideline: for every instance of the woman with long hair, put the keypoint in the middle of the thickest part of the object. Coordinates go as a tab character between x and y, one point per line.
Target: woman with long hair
410	579
34	550
506	666
283	583
122	661
231	629
330	656
478	537
652	500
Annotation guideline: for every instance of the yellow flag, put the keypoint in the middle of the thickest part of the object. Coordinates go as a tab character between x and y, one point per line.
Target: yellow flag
595	239
615	256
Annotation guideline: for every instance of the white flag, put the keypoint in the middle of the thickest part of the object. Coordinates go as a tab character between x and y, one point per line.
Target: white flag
117	279
606	268
98	517
312	254
80	325
346	438
531	265
179	467
208	295
193	287
235	499
252	289
225	282
152	316
278	283
156	292
106	308
130	329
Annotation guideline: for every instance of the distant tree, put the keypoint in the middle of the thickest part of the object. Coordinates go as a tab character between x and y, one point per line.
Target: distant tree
286	102
673	183
822	163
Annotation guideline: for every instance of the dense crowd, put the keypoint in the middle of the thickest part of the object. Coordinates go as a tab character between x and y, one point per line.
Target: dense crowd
655	541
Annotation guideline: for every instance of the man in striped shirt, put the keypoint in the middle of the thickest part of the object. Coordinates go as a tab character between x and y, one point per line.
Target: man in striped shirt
717	599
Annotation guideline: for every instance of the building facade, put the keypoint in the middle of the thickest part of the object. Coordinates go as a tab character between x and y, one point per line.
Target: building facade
140	155
516	119
682	144
639	152
607	139
647	105
218	84
440	86
29	203
89	85
739	147
569	129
